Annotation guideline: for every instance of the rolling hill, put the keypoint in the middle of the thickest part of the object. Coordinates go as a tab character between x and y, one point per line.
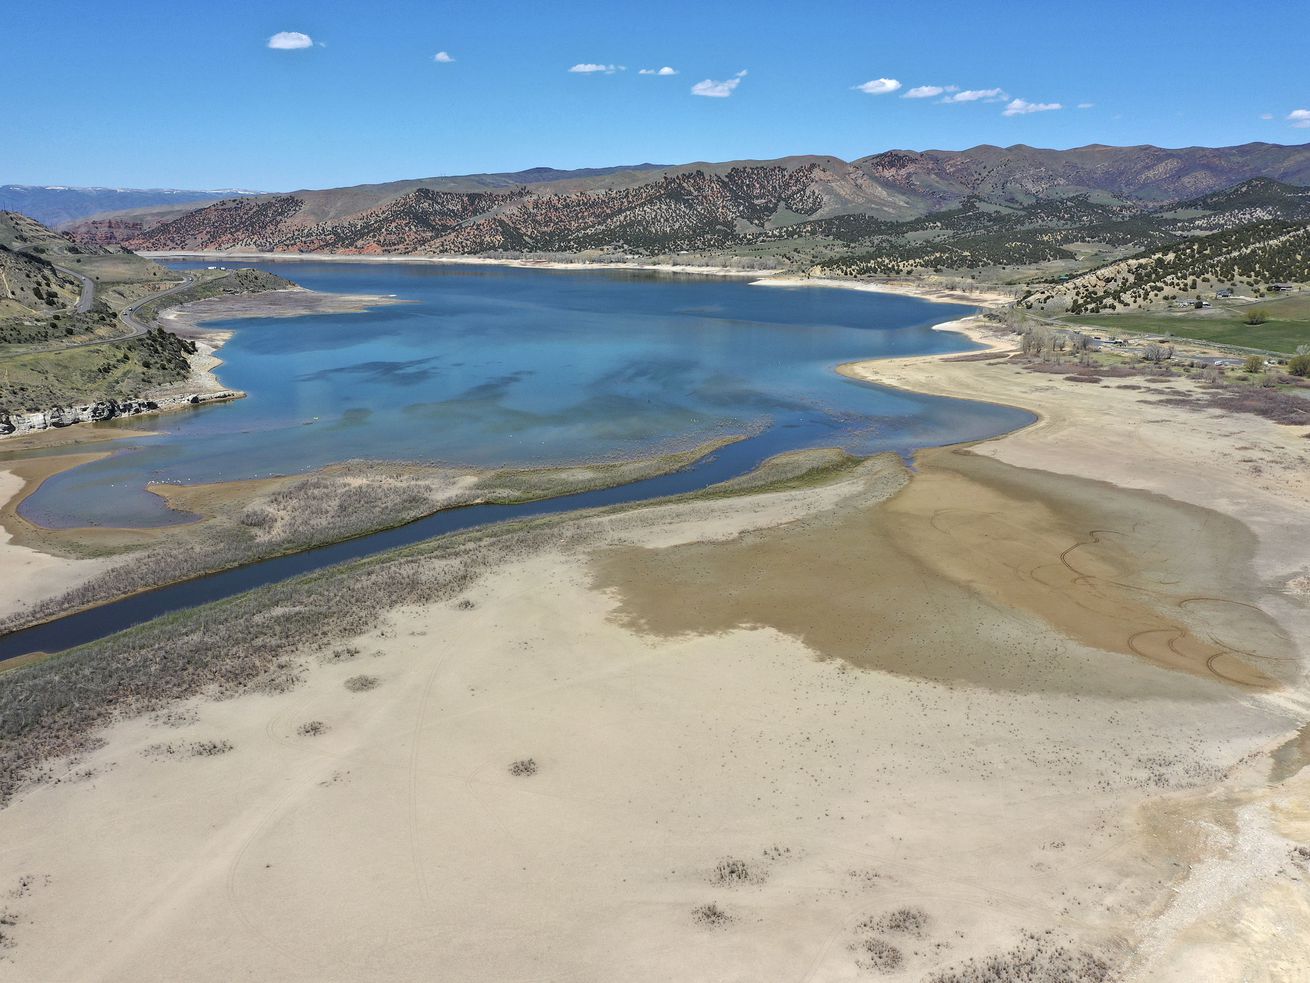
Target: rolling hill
978	235
1253	255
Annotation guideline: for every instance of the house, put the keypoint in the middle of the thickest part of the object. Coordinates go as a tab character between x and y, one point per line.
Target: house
1226	292
1275	288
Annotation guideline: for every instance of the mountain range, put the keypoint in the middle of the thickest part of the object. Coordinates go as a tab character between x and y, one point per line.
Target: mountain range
653	209
58	205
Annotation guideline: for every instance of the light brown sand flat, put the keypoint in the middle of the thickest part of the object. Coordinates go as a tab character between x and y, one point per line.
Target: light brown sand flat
937	584
189	319
398	845
30	572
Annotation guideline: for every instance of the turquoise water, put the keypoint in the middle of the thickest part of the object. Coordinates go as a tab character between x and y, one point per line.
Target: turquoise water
490	365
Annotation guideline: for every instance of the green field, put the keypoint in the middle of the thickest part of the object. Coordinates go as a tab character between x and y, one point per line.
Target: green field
1288	325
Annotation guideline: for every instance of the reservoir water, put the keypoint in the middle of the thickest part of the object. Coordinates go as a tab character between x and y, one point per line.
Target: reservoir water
483	365
487	366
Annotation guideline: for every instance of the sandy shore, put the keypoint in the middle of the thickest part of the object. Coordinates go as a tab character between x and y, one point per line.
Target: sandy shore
796	777
53	558
1036	703
954	291
189	319
40	573
982	296
1225	916
926	289
50	561
528	264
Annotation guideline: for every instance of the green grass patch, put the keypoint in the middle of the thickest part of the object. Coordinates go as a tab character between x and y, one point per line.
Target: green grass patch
118	371
1288	325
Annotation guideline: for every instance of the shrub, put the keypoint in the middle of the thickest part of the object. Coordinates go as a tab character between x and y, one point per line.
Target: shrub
905	921
1256	315
1299	365
1158	353
1254	363
711	916
878	954
730	872
1035	960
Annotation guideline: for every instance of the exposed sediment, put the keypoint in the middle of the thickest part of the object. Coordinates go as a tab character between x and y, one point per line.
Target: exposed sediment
1035	711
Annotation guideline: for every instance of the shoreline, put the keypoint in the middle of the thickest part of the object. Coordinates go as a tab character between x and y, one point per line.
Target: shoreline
527	264
1247	469
41	571
950	293
286	302
216	503
202	385
190	320
936	293
1020	774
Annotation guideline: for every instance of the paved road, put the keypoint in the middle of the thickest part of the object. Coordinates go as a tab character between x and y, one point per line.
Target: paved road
127	316
88	298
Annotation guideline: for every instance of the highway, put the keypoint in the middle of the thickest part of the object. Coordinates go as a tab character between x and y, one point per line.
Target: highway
127	316
88	297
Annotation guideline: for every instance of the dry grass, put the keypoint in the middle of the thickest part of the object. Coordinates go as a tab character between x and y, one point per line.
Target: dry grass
192	749
902	921
175	718
877	954
318	510
711	916
342	502
1288	408
51	709
873	952
1038	959
732	872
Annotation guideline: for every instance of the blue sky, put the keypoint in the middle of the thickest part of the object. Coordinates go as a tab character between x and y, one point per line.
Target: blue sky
143	93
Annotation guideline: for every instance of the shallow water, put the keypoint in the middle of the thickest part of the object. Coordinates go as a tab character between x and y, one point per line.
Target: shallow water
491	365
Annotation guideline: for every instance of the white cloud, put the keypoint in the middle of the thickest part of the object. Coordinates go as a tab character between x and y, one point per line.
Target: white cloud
1266	115
666	70
444	57
1086	105
977	95
1300	118
879	87
928	91
1021	107
718	90
290	41
590	68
